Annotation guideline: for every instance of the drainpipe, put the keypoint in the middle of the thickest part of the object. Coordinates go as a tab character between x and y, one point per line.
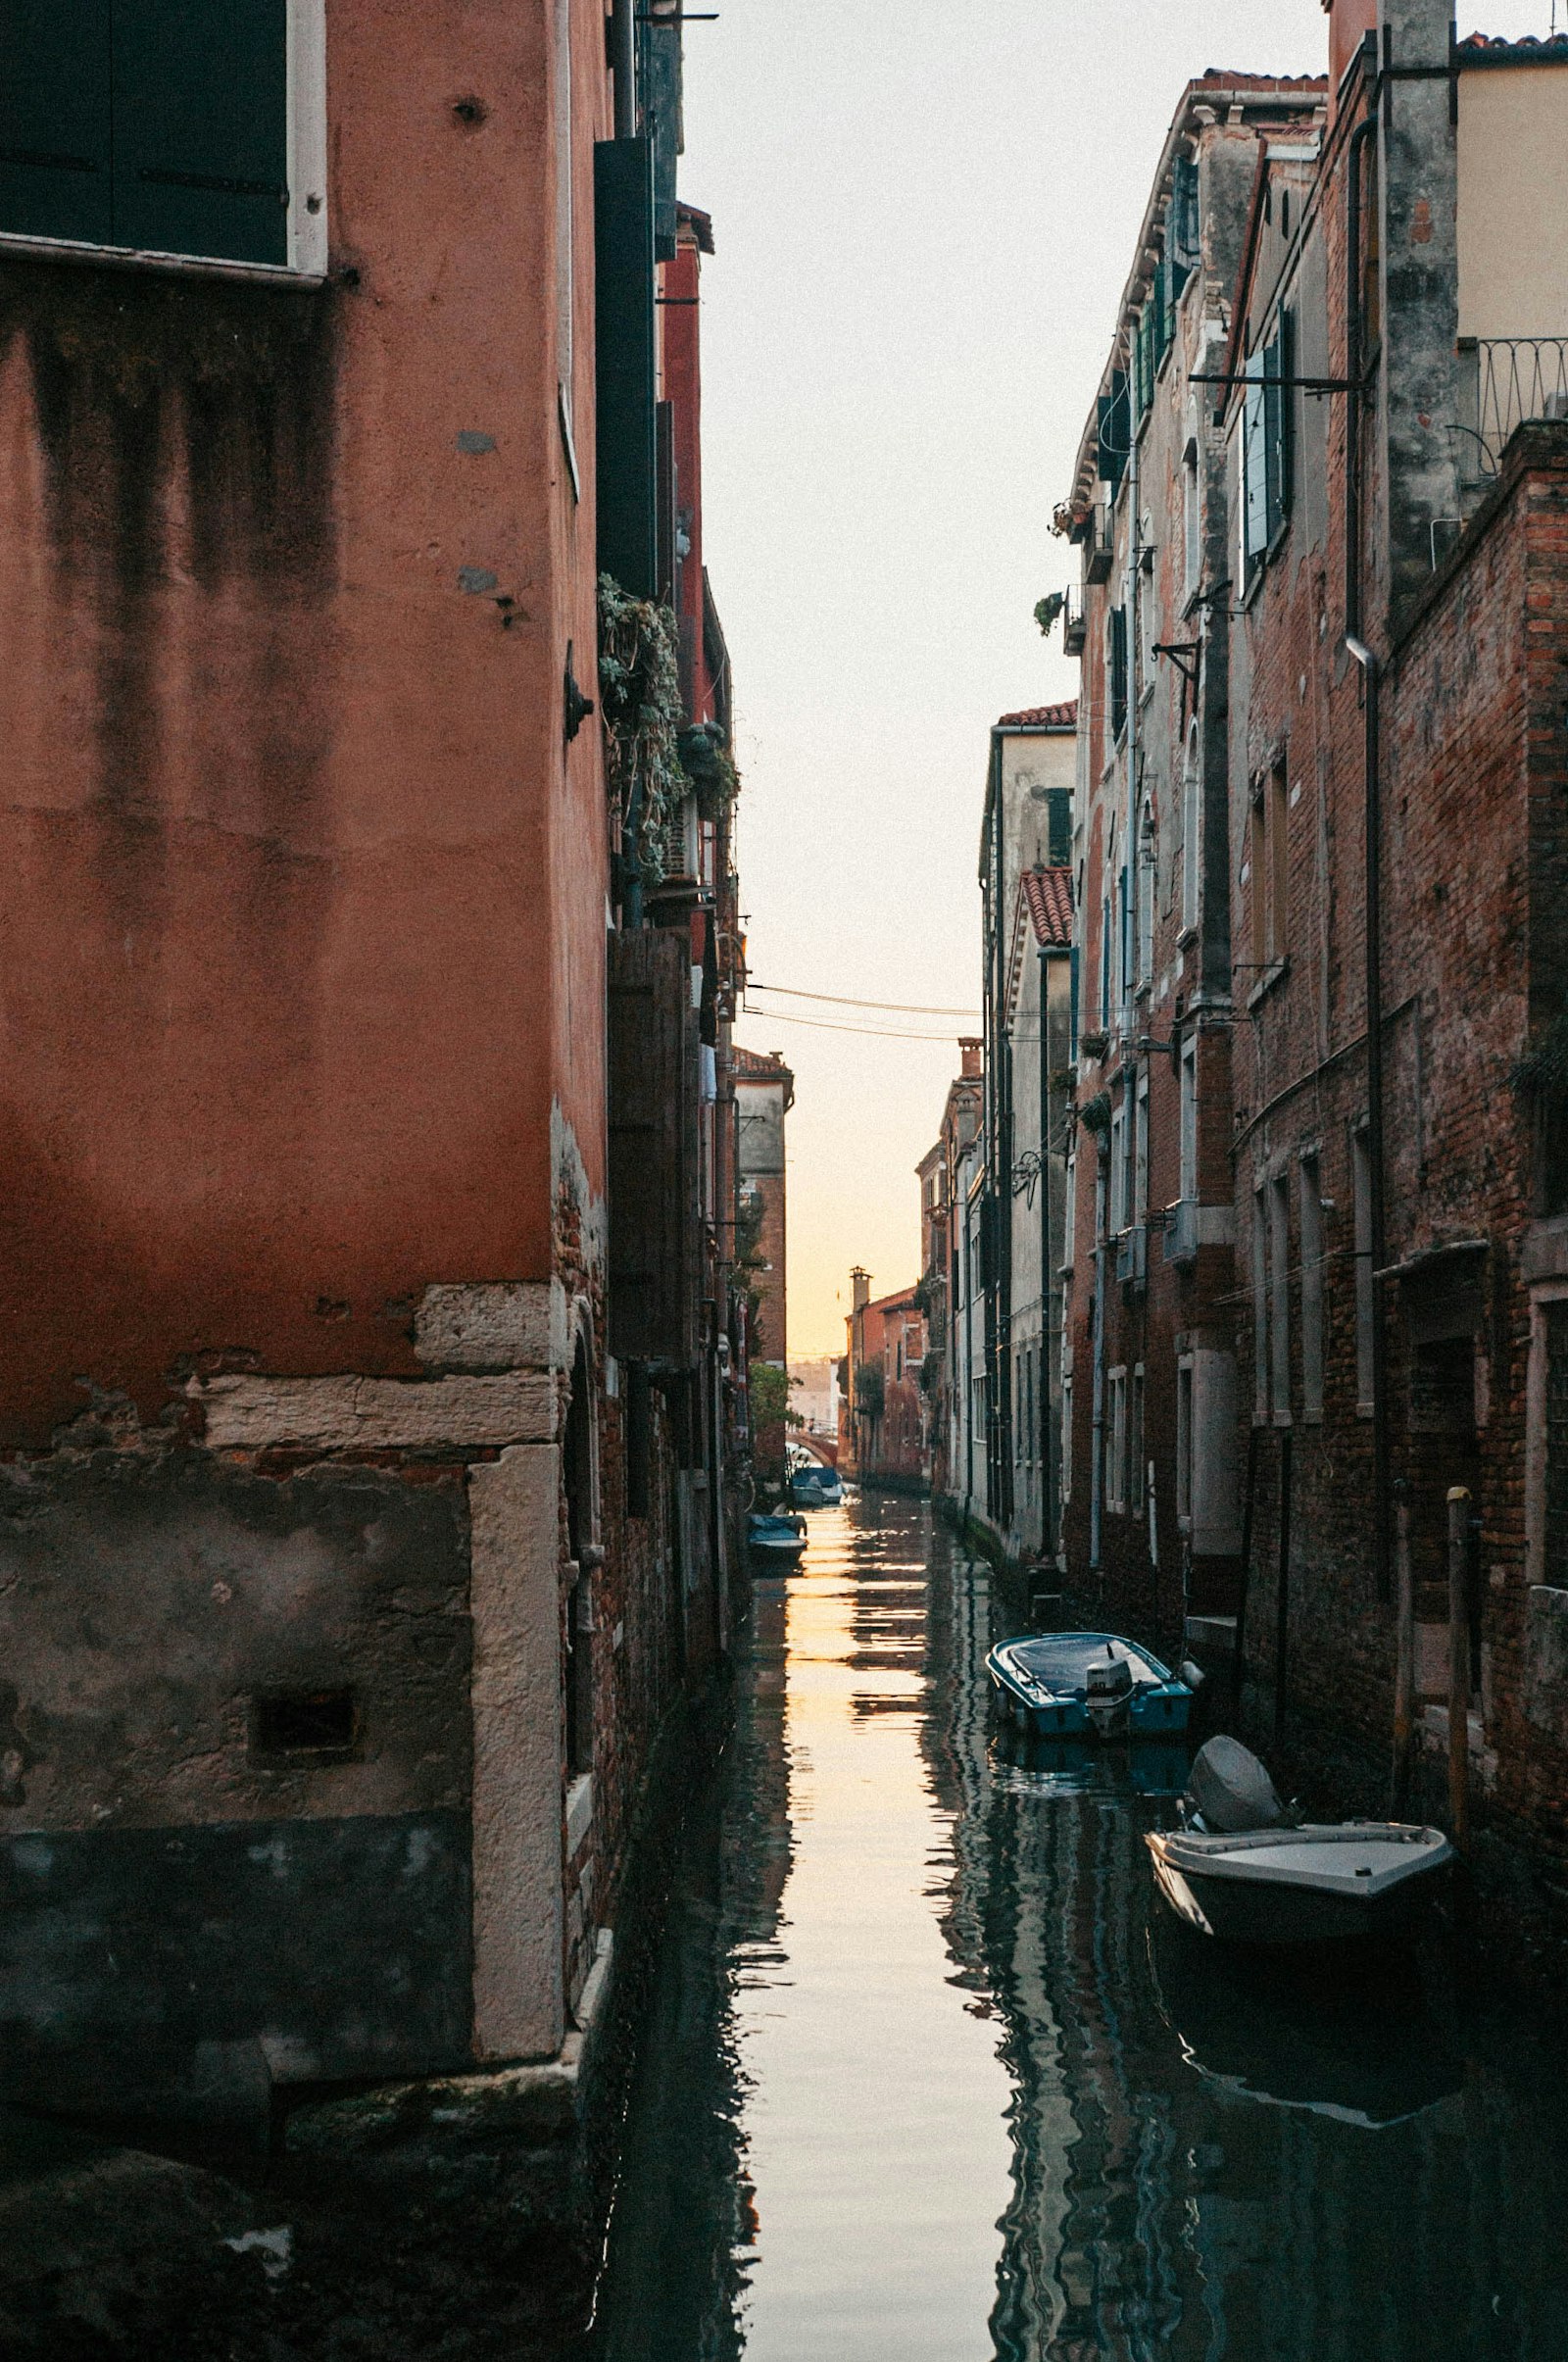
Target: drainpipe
1371	676
1364	131
623	63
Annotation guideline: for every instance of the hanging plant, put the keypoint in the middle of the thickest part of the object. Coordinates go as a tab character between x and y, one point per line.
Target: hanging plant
639	690
710	767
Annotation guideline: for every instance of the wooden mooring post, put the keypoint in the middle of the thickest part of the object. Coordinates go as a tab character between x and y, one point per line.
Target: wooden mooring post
1459	1665
1404	1655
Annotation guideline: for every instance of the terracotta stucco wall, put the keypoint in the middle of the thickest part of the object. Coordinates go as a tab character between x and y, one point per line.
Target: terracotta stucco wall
285	579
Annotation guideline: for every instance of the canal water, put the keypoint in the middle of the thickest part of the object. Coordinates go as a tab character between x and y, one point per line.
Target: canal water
930	2078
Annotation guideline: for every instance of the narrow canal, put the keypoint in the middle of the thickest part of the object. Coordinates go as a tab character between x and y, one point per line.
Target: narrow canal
929	2077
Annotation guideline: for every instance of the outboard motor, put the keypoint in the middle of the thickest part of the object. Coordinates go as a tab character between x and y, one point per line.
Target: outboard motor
1108	1693
1231	1789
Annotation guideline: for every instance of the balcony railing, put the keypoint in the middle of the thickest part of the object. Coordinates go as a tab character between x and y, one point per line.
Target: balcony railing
1073	625
1504	380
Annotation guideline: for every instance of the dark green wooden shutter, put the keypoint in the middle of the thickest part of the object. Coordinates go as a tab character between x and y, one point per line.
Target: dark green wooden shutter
1119	671
1115	440
1059	807
201	127
54	119
623	319
1279	413
654	1147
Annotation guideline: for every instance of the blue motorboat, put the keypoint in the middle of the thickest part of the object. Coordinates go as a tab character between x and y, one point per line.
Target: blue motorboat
778	1542
1094	1685
816	1486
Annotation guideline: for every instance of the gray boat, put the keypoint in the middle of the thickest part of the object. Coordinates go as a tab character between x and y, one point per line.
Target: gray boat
1240	1867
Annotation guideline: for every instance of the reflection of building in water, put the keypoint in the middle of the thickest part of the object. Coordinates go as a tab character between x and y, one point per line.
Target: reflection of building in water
685	2220
1214	2161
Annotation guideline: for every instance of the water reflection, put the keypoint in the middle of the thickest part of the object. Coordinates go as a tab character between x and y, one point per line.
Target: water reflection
931	2073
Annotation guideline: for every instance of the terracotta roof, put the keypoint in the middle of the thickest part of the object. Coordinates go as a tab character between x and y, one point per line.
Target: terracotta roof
1048	894
1289	85
1041	717
1528	50
759	1066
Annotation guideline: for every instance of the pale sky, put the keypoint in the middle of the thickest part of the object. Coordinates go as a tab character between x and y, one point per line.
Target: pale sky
923	213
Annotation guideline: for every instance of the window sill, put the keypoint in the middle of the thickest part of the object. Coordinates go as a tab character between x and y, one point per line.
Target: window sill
1185	939
135	258
1271	976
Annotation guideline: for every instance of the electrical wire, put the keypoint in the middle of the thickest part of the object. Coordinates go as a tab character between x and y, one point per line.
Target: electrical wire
876	1033
907	1009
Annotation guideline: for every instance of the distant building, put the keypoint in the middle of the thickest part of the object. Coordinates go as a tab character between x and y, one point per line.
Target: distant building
814	1397
764	1093
942	1276
884	1420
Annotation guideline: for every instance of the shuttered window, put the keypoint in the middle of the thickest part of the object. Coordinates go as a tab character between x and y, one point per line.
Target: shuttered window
625	387
1114	431
1267	453
158	125
655	1276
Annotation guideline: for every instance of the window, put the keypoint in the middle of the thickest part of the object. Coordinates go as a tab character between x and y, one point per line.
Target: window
1184	1442
304	1726
1058	827
1184	232
1140	1204
1312	1289
1269	852
1118	1166
1366	1309
1267	403
1193	517
1104	964
1116	1441
1116	668
1192	829
1135	1444
1259	1305
1114	436
157	126
1143	887
1189	1119
1066	1439
1279	1291
1555	1553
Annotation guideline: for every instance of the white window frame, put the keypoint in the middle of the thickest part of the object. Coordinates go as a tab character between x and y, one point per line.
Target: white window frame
1139	1146
1191	833
1260	1305
1136	1407
1184	1443
305	147
1192	518
1187	1123
1115	1441
1279	1291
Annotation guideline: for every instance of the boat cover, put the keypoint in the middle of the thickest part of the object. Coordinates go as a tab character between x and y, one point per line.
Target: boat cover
1062	1659
1232	1790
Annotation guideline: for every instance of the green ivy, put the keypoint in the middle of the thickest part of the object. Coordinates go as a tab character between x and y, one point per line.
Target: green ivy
639	691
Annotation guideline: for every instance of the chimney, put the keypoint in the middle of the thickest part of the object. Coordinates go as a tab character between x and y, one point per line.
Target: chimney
969	1052
1349	22
861	1281
1418	191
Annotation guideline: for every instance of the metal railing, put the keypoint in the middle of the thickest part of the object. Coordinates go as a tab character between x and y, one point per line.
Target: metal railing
1503	381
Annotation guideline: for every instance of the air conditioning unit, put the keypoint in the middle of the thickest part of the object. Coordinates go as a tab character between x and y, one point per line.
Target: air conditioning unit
1132	1256
1181	1231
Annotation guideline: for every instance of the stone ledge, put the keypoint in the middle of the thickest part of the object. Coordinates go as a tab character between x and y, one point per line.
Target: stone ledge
375	1414
488	1326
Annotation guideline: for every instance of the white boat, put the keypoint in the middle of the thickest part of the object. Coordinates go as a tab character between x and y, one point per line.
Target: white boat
1241	1868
